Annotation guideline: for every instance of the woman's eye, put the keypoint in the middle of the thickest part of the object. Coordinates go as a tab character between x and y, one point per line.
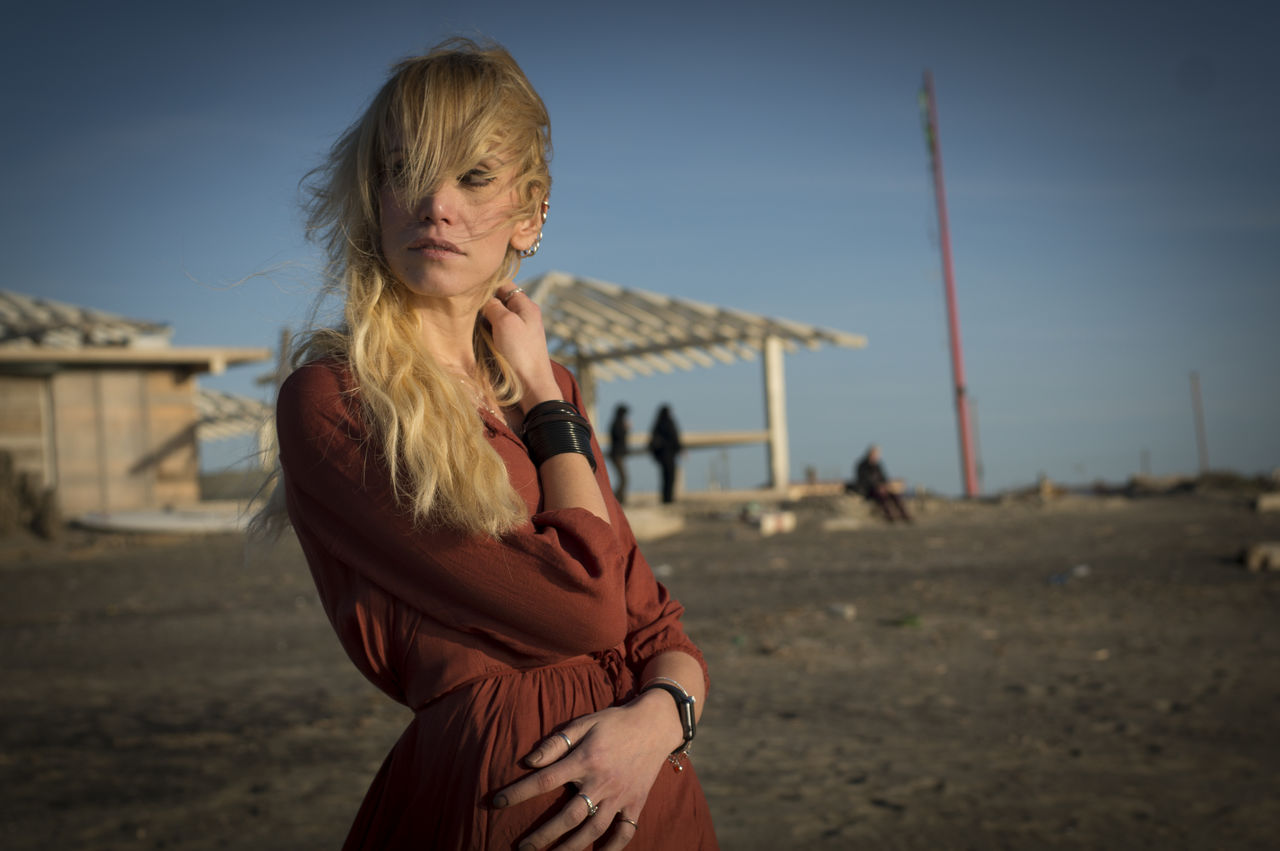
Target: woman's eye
395	170
476	177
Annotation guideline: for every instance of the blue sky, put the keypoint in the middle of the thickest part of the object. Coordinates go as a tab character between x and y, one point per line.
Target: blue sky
1112	179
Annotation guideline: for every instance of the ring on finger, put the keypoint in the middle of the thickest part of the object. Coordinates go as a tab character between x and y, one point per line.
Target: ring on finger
629	821
568	742
506	298
592	809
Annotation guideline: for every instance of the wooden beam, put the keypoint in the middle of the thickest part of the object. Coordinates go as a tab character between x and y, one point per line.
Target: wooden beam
197	358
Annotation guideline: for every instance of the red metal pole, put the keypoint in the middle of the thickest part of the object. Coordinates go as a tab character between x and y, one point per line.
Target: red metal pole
948	276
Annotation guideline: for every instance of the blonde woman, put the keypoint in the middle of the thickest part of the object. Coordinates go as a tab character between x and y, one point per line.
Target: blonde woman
453	504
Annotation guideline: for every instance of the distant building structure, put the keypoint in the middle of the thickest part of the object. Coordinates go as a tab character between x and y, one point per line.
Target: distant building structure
104	410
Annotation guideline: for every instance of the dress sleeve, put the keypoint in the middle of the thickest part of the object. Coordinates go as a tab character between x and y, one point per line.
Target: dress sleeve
551	589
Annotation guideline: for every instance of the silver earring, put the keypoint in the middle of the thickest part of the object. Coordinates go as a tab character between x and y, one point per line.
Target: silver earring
537	243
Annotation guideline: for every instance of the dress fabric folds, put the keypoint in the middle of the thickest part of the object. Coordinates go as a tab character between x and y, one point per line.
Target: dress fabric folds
492	644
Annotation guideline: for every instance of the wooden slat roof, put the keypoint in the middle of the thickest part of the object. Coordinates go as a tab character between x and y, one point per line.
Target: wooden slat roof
225	415
27	321
38	332
623	332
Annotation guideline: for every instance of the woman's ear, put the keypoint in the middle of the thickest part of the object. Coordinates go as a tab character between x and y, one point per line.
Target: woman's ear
528	232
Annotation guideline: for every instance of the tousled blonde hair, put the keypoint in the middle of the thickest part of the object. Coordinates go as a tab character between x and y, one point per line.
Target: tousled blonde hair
438	115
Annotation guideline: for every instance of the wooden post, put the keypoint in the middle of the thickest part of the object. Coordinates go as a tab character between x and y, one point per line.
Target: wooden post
587	384
267	449
775	396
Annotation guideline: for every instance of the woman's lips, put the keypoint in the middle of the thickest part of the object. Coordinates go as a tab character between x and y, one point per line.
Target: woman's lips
434	246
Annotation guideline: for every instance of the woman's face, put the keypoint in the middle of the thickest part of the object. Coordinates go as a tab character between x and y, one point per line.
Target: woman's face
451	243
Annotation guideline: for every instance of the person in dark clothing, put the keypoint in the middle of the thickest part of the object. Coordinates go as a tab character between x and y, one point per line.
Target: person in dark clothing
872	483
619	431
664	446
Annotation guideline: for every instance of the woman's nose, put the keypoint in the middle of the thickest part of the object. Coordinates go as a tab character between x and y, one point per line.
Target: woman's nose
438	206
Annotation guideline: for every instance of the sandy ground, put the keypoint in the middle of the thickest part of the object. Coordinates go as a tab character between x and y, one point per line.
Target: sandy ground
1087	674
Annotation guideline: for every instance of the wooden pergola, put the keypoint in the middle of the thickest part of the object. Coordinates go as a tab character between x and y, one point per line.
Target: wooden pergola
608	332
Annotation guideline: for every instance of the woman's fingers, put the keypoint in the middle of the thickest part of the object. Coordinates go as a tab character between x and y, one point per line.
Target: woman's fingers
623	832
576	823
515	300
547	756
539	783
550	749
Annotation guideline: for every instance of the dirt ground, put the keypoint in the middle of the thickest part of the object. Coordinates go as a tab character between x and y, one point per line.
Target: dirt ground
1091	673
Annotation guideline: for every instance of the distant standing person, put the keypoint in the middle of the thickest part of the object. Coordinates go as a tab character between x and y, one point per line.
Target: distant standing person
664	445
619	431
871	481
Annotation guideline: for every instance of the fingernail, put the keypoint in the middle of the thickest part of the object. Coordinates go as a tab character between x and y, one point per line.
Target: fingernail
499	801
535	757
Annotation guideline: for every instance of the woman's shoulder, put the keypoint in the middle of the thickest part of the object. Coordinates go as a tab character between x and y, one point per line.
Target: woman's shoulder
324	384
323	376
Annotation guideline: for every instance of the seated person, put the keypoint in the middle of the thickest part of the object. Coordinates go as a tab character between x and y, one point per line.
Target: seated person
872	483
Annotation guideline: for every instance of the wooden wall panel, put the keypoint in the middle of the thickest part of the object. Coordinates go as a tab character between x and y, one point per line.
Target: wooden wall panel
80	482
172	419
126	441
24	428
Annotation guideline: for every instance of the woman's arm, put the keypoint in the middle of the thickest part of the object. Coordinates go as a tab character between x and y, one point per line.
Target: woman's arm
612	756
567	480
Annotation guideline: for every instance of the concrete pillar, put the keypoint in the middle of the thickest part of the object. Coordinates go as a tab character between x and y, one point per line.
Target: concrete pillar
775	408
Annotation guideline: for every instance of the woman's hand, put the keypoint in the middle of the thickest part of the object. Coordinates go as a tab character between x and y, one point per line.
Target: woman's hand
516	322
612	757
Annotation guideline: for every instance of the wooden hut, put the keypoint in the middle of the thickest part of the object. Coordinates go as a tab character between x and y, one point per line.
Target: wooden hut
101	408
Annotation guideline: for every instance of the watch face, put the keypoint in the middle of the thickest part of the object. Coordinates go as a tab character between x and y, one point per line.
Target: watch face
684	705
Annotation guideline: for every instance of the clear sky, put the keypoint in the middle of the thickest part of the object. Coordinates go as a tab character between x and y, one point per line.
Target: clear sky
1113	179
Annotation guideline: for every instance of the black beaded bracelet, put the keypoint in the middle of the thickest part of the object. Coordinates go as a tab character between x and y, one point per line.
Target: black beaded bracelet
532	423
555	406
548	438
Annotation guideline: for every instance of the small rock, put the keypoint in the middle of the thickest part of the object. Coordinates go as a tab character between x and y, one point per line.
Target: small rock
1267	502
1264	556
776	522
847	611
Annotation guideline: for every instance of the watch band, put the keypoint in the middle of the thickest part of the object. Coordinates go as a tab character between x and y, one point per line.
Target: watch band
684	706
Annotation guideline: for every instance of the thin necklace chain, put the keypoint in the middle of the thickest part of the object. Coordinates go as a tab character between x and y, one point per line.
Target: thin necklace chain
481	399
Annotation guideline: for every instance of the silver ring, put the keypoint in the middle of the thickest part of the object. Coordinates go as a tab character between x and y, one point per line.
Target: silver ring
506	298
592	809
568	743
629	821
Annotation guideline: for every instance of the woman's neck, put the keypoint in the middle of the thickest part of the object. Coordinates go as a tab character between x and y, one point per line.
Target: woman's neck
448	337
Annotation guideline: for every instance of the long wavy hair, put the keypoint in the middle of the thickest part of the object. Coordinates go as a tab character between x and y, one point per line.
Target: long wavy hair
442	112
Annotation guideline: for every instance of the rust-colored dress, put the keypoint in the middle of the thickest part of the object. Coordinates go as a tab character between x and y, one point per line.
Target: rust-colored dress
492	644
